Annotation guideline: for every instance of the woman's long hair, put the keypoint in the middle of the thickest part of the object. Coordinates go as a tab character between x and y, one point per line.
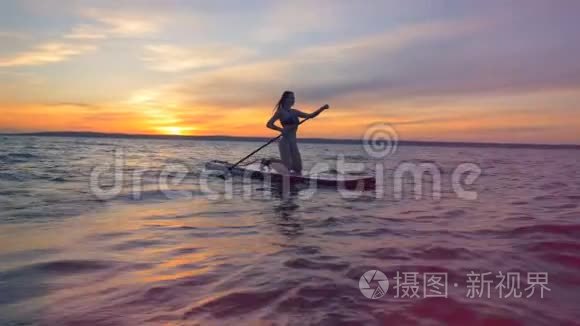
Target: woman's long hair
282	99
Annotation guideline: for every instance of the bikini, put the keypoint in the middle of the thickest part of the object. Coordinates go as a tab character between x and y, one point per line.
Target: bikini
289	118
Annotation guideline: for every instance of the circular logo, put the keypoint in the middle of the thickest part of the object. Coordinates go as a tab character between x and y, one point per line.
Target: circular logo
378	291
380	139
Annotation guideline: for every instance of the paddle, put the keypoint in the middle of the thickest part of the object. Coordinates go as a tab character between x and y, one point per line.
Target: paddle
266	144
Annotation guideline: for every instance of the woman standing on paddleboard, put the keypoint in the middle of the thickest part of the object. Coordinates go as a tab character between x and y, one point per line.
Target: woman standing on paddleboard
289	118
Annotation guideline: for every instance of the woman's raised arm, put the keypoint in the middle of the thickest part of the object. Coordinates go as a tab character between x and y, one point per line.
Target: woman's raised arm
313	114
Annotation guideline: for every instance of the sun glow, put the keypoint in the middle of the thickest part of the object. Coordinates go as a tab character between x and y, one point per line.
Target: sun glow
175	130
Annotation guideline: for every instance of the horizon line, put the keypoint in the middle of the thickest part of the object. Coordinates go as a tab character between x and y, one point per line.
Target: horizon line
97	134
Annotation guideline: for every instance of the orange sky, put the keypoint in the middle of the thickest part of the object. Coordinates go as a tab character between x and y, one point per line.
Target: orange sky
459	74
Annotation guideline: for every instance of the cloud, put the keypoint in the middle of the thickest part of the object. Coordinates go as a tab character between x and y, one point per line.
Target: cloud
87	32
172	58
285	19
108	23
317	73
79	105
434	67
391	40
66	117
12	35
202	118
124	24
454	58
45	53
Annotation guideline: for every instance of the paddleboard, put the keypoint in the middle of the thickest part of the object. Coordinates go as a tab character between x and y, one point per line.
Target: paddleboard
258	171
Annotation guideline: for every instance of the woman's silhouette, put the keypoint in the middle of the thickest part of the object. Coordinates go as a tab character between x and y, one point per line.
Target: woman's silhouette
289	119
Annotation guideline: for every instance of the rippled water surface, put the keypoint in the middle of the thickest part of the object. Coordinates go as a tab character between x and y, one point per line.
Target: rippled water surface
176	256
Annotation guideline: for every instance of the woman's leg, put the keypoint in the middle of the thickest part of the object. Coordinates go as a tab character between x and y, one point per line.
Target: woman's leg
295	158
285	154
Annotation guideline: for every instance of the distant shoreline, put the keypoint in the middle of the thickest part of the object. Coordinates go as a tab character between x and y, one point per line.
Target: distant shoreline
302	140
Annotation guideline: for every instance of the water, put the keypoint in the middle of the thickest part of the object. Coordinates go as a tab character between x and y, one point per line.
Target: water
68	257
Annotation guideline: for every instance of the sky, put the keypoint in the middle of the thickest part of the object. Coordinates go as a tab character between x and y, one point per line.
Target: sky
465	70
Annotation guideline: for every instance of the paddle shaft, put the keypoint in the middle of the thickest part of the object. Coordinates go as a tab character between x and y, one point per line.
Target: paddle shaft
260	148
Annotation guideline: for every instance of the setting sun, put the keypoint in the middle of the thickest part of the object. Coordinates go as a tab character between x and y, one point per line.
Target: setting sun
175	130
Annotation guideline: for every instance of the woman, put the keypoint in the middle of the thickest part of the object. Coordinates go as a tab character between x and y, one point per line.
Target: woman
288	117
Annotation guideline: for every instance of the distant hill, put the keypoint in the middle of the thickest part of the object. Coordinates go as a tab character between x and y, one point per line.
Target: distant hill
302	140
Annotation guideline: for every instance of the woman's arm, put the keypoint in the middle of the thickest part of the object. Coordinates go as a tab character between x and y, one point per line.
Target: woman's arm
271	122
313	114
